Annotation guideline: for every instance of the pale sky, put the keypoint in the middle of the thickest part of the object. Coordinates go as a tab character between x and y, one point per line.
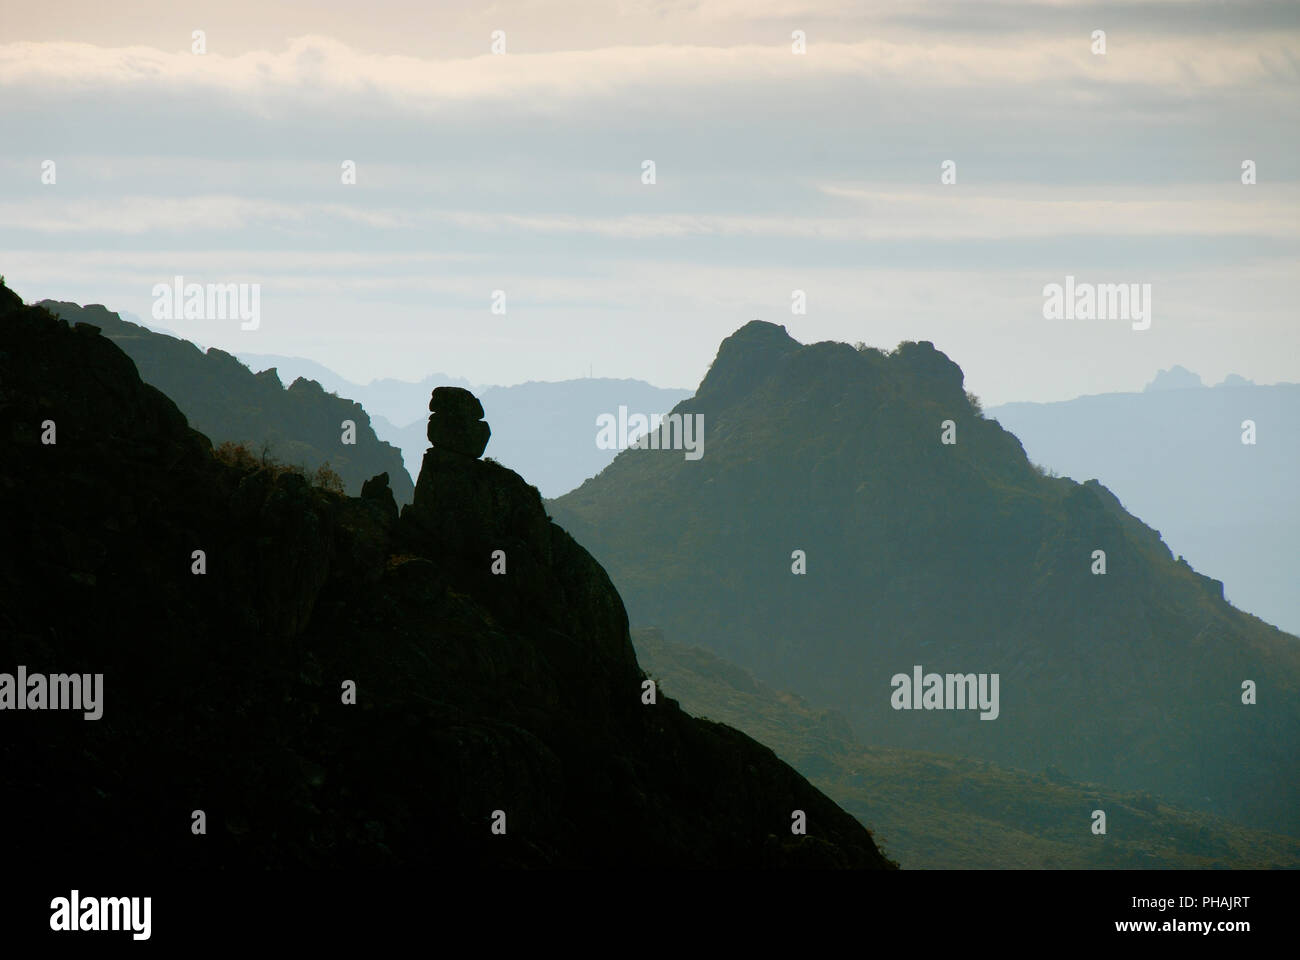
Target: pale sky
775	172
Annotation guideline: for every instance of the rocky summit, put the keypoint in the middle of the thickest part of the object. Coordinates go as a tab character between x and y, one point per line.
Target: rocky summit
855	518
294	677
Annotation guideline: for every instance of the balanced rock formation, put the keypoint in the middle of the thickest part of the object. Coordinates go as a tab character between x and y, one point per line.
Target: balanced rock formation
456	422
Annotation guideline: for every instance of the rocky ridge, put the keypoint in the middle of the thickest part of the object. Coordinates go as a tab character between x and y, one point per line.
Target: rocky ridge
487	655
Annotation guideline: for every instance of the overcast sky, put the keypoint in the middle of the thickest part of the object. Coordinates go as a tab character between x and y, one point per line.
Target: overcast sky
775	171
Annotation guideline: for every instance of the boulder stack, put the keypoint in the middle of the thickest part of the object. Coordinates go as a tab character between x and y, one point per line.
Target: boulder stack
456	422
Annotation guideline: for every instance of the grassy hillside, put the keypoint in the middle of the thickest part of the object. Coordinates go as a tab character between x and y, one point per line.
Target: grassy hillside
933	811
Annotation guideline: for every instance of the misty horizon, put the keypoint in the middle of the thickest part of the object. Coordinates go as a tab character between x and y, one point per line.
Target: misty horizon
384	183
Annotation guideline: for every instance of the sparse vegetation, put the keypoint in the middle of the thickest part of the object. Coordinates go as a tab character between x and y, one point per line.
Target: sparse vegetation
326	478
239	456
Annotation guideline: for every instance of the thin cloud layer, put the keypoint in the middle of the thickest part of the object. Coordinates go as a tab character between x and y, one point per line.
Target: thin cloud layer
775	171
319	66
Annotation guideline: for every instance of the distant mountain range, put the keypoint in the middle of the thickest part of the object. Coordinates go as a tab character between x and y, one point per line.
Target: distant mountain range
399	402
302	425
1174	456
546	431
925	556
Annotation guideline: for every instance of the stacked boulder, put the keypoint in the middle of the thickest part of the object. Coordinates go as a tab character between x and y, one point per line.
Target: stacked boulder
470	507
456	422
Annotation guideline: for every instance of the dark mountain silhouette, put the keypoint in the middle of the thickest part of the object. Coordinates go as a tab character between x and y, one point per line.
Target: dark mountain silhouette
223	399
960	558
940	812
224	692
1174	457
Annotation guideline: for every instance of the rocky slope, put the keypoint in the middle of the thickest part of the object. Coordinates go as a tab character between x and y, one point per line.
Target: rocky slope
1173	454
961	558
223	399
227	691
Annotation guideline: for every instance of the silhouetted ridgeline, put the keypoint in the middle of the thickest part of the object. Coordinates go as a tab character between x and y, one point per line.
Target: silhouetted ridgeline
961	558
223	399
1174	457
223	692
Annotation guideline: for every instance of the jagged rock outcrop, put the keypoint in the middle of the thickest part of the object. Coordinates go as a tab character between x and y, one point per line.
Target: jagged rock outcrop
341	685
377	490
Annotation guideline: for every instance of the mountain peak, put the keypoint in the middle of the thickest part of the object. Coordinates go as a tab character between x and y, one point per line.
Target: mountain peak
921	534
1175	378
1236	380
748	355
762	329
924	361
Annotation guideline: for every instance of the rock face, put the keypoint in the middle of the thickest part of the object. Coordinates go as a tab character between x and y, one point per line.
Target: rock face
341	686
377	489
456	422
